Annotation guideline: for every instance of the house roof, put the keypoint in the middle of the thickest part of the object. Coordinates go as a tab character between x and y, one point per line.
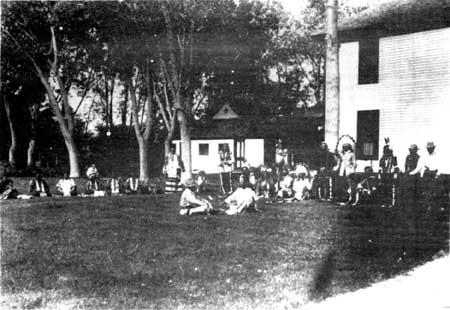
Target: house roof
396	17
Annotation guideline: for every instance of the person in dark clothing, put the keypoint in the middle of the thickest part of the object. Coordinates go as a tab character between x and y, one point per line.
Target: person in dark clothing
325	162
7	190
412	159
388	161
38	187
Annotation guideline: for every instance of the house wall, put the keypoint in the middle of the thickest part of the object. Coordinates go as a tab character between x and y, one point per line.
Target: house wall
413	93
254	153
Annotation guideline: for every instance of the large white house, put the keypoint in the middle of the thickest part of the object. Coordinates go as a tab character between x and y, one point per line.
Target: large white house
394	63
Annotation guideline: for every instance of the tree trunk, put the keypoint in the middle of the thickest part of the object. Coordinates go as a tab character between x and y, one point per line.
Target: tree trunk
32	143
332	75
143	159
124	107
13	146
185	135
73	157
30	152
64	128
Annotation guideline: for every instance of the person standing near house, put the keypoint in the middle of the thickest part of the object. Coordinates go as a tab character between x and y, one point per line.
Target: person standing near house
388	161
412	159
38	187
428	168
173	167
225	168
347	167
428	165
325	162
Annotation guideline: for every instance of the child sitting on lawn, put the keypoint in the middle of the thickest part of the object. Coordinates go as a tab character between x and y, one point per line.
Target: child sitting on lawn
302	184
285	190
190	203
242	199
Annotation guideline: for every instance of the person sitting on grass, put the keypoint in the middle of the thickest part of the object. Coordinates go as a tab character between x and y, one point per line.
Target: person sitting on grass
242	199
190	203
132	186
66	186
92	172
38	187
114	186
286	191
252	178
367	189
266	183
94	187
302	183
7	190
201	182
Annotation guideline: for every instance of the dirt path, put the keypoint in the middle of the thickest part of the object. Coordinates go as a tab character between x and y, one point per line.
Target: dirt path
425	287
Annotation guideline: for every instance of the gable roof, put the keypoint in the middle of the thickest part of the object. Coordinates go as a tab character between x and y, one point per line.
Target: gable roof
225	112
396	17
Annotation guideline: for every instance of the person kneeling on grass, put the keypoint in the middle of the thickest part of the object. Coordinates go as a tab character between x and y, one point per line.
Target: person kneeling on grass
190	203
66	186
242	199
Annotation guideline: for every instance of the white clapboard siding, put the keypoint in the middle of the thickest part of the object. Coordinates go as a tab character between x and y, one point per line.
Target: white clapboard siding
413	93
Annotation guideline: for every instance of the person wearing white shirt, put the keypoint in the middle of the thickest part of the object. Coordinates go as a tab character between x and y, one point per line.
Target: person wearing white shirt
428	165
242	198
66	186
114	186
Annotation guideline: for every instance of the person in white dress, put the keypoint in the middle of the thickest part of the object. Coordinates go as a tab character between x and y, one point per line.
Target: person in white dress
66	186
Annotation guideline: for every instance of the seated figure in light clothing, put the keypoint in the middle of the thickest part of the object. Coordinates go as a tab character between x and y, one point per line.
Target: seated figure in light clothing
190	203
302	183
242	199
66	186
114	186
132	185
285	189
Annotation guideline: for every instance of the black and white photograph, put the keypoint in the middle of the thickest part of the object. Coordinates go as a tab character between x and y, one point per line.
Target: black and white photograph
225	154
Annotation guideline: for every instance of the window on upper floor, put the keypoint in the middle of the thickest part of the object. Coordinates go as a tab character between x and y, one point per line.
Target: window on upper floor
367	134
368	61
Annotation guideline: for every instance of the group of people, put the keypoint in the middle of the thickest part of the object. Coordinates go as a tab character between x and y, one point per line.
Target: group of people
282	182
66	186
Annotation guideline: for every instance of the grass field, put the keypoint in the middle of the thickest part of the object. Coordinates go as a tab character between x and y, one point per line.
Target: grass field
138	253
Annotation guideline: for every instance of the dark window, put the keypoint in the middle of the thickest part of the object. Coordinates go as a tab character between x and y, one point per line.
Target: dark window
203	149
368	128
368	61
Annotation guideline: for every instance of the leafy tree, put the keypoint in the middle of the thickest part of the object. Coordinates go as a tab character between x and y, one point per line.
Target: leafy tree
50	35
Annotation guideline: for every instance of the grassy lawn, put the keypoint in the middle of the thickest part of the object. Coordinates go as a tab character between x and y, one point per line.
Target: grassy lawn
138	253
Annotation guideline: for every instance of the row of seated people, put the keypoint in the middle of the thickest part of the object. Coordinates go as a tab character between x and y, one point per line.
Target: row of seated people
66	186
